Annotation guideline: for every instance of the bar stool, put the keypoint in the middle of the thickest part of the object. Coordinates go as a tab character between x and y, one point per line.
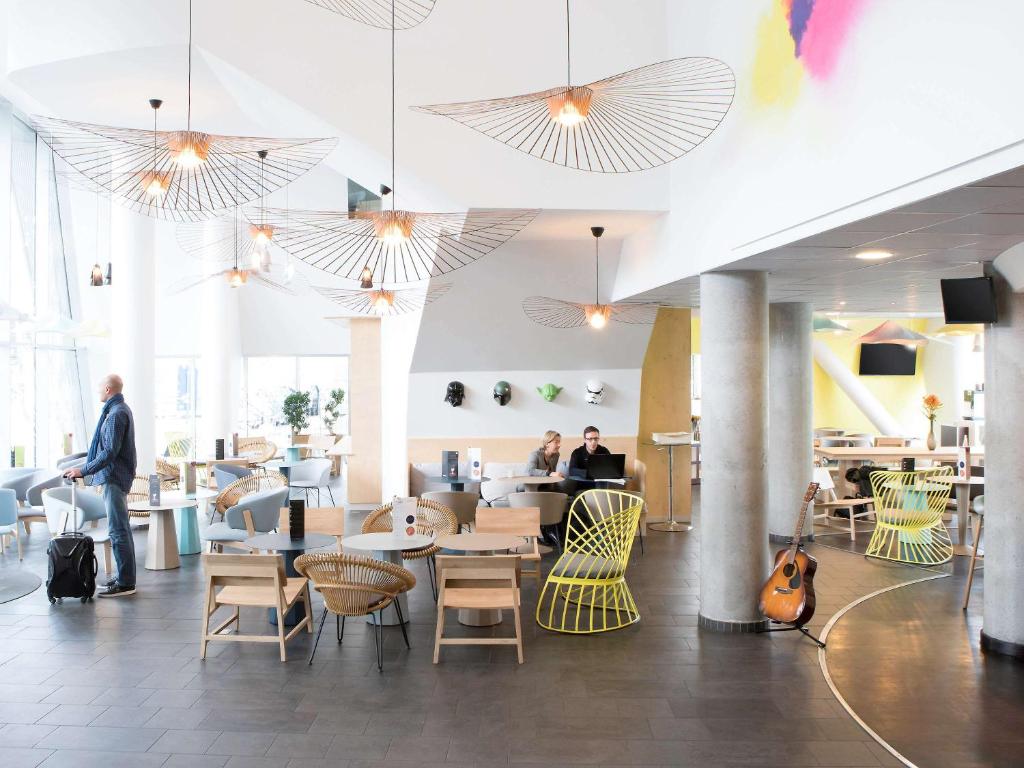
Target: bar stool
979	524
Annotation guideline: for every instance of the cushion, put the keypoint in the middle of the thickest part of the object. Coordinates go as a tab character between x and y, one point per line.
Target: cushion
224	532
580	566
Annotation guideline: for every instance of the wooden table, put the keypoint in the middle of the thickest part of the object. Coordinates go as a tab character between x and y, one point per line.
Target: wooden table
963	507
389	547
481	544
162	540
329	521
848	457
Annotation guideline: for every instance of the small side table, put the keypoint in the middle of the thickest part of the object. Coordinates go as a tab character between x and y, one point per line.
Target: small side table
388	547
291	549
671	525
459	483
162	540
480	544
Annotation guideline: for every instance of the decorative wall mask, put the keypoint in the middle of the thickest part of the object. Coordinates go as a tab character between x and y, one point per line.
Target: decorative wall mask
456	393
549	392
502	392
595	391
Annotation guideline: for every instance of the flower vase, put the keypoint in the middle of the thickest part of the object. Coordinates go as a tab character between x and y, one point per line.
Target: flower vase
931	435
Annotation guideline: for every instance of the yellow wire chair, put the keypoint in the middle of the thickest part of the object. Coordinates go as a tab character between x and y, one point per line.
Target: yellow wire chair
432	519
908	512
356	586
586	590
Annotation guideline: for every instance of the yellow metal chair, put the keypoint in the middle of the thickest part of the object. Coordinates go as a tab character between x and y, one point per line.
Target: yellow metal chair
586	589
908	512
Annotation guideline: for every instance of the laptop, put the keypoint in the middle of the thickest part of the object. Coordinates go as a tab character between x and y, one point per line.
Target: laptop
606	466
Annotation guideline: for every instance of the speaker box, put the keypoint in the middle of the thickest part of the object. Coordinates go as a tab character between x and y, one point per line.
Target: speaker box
450	464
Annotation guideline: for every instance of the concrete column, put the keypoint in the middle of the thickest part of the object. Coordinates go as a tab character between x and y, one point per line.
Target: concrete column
133	337
1003	625
220	363
790	409
734	434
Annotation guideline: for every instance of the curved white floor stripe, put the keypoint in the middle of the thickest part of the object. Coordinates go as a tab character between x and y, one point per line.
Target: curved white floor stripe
828	678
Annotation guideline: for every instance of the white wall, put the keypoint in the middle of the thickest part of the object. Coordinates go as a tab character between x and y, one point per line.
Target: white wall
527	413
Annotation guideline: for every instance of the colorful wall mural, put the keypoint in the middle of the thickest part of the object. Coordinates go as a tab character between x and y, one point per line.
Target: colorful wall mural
798	39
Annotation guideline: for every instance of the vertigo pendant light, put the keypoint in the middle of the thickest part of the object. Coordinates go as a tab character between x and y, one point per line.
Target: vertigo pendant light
633	121
383	303
393	246
378	13
891	332
179	175
556	313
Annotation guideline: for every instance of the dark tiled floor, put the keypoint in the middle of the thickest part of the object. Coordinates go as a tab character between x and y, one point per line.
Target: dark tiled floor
119	683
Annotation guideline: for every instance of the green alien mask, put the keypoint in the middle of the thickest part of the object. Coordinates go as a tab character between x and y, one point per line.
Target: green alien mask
549	391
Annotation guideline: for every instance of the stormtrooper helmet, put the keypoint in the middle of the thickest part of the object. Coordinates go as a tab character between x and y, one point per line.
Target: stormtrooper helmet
456	392
502	392
595	391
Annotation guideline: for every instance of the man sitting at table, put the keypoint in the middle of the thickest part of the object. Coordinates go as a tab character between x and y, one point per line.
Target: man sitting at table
580	457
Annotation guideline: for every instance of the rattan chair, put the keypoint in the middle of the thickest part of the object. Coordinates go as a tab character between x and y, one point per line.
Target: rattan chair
258	449
586	589
356	586
168	471
243	486
908	516
432	519
140	492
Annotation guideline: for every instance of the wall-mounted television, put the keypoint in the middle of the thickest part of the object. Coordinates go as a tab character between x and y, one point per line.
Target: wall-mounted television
968	300
887	360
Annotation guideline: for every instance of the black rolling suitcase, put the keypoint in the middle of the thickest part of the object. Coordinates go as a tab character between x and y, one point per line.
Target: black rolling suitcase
72	562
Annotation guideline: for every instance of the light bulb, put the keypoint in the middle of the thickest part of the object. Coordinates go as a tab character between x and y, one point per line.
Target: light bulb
289	272
155	184
570	106
597	316
393	228
189	149
188	159
569	115
261	233
382	300
265	260
237	277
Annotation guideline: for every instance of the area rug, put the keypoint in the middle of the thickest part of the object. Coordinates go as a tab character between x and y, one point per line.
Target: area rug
15	584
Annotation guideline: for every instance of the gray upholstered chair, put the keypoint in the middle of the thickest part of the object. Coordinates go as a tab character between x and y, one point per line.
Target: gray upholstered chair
226	474
32	511
258	512
312	474
20	480
552	505
462	503
71	460
9	519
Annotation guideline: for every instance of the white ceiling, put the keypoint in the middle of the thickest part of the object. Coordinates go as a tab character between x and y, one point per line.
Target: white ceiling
947	235
561	225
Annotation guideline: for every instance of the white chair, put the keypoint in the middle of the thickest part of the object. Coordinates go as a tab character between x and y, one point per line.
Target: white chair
859	508
552	506
312	474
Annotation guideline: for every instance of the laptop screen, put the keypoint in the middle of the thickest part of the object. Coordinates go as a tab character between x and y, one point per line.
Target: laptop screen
606	466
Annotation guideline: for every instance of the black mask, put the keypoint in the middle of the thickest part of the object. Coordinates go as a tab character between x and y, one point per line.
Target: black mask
456	392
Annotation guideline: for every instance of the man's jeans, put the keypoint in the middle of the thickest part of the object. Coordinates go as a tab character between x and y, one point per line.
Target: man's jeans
121	541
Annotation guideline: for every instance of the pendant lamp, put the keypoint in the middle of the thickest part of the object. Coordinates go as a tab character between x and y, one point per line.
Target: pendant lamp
378	13
628	122
891	332
383	303
393	246
556	313
828	325
179	175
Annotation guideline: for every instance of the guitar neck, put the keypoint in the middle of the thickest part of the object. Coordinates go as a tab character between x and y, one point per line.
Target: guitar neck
812	489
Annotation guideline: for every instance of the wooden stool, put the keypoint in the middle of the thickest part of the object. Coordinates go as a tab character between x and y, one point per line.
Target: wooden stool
979	524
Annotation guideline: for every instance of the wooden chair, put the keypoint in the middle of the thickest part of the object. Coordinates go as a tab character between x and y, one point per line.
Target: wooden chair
356	586
979	525
858	508
479	583
638	485
256	581
329	521
432	519
521	521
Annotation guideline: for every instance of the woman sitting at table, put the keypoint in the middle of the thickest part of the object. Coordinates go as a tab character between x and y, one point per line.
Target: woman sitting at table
543	462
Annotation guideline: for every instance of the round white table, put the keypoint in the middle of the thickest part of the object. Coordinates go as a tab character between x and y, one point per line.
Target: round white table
479	544
187	522
162	539
388	547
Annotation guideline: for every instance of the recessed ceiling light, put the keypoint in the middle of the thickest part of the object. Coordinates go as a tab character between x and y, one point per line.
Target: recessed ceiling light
842	303
873	255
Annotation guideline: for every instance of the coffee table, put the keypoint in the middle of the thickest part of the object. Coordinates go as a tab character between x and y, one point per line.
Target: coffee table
459	483
162	540
187	523
479	544
388	547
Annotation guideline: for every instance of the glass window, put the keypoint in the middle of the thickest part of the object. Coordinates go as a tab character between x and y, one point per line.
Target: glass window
177	401
268	380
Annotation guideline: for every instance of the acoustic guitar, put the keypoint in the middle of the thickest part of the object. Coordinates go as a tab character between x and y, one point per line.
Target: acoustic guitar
788	595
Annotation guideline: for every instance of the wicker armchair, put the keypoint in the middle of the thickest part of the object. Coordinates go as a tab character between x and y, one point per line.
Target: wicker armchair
167	471
140	492
356	586
243	486
259	450
432	519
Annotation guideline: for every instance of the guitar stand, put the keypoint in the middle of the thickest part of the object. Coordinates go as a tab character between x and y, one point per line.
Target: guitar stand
790	628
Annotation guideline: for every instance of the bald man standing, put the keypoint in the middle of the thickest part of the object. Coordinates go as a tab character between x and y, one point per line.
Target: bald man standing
111	463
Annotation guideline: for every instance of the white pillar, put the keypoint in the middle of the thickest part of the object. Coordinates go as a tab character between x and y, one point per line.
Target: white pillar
734	488
220	364
1003	625
790	412
132	254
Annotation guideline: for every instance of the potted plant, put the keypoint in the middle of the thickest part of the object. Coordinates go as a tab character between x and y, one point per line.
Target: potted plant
931	405
332	410
295	409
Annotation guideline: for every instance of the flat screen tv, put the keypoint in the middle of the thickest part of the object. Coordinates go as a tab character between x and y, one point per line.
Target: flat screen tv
887	360
968	300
